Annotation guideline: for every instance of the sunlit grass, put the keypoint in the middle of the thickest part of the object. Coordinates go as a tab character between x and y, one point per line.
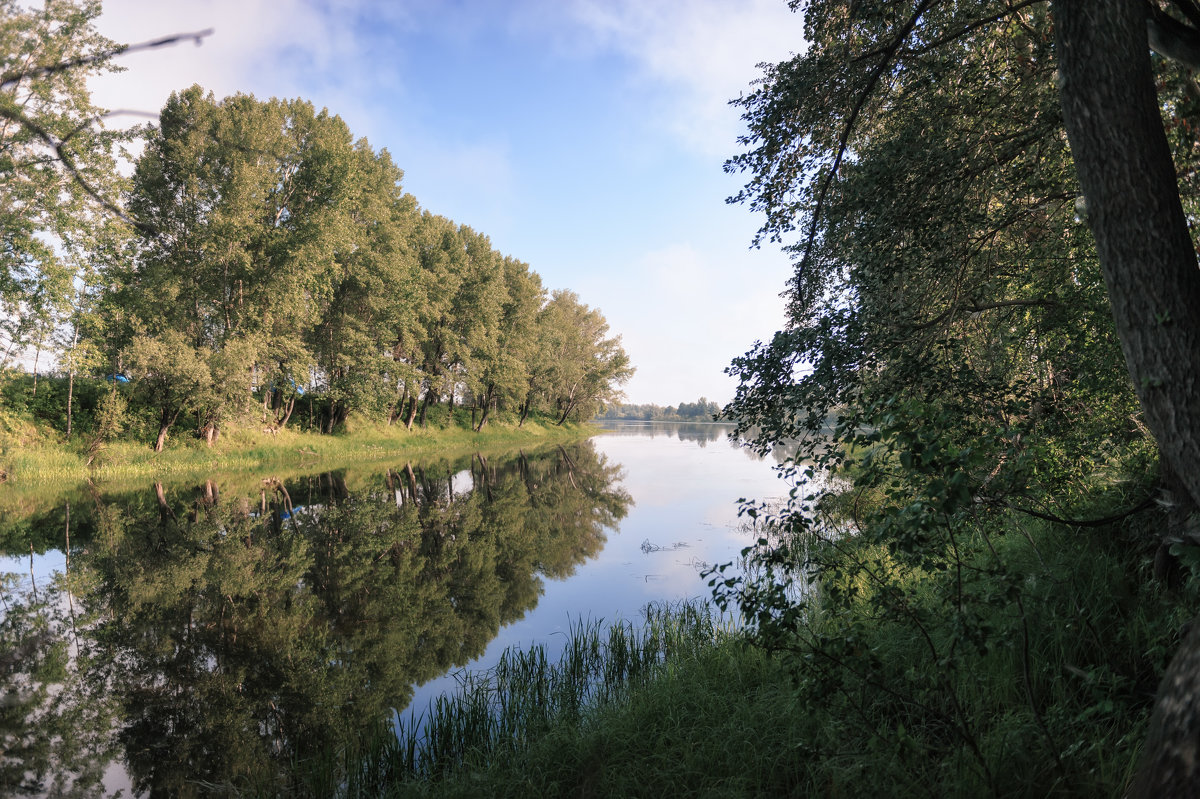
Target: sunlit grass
46	469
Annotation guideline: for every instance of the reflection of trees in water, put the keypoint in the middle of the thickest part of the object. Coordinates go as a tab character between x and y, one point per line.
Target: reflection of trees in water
701	433
55	732
242	632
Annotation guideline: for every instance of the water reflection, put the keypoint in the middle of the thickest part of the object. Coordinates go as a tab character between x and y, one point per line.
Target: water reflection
700	433
216	635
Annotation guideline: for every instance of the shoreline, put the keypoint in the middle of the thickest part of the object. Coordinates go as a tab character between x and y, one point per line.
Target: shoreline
48	467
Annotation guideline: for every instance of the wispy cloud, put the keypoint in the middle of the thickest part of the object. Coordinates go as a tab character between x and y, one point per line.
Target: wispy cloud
283	48
706	51
685	314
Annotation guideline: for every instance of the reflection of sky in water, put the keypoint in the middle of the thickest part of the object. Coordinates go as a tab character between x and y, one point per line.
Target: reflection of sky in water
685	492
43	568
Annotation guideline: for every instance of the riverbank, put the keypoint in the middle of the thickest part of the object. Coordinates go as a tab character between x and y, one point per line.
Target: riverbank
34	460
1053	700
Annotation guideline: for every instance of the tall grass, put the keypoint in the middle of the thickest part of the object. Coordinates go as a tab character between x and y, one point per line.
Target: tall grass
497	715
1055	704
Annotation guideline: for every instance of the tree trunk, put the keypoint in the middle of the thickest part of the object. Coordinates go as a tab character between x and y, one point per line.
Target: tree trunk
425	406
287	413
70	398
1130	187
1129	184
412	413
566	412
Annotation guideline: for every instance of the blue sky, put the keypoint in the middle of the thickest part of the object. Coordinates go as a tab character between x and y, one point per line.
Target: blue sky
585	137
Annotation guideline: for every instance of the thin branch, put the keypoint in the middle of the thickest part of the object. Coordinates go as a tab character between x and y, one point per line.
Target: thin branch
844	141
50	69
977	308
1189	9
971	28
69	164
1143	505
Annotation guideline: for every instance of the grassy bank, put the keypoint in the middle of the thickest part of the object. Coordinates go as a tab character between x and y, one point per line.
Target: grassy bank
33	459
1054	701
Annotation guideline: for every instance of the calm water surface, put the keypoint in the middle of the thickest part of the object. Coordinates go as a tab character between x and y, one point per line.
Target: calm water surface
193	636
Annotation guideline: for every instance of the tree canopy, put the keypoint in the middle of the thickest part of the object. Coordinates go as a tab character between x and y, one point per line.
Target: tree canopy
259	253
970	308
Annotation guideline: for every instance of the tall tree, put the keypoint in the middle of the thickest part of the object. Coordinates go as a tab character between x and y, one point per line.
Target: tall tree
585	369
249	210
917	150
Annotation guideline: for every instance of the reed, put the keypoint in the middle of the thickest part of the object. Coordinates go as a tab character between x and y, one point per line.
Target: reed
497	714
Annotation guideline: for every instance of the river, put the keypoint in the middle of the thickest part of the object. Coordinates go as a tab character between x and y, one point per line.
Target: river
195	635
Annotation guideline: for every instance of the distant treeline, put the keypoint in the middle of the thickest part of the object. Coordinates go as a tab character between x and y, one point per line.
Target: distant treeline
702	410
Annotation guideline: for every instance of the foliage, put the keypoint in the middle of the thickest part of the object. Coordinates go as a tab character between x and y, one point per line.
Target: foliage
58	166
269	256
948	309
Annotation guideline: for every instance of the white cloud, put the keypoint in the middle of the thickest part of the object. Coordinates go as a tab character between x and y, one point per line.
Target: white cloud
271	49
706	50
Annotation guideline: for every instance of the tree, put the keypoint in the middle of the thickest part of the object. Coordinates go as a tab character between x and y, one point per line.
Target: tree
917	148
173	376
257	216
58	164
584	370
505	376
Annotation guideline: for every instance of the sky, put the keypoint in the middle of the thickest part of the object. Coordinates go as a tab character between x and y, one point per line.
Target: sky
584	137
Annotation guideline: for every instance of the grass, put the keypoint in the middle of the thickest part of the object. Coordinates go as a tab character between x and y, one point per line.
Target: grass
34	462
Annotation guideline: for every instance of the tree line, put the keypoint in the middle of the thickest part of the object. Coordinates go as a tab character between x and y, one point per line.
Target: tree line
702	410
258	253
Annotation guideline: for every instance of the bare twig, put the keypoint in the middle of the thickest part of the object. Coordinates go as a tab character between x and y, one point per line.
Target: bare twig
12	78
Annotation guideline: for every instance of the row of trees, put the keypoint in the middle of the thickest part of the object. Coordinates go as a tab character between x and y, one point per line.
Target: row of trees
702	410
260	251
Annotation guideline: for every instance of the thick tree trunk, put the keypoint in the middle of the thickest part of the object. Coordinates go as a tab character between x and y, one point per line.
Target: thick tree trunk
1129	184
1128	178
566	412
165	421
287	409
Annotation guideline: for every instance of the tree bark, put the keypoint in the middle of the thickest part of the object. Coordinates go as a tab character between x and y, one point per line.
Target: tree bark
1121	155
166	420
70	398
1129	184
412	412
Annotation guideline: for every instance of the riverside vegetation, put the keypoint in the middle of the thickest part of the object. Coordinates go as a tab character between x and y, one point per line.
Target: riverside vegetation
982	594
986	568
260	265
